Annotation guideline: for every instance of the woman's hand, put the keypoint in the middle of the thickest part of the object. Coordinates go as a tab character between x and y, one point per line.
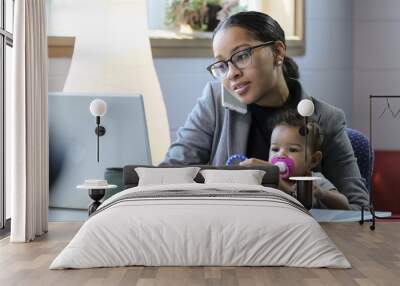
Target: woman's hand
254	162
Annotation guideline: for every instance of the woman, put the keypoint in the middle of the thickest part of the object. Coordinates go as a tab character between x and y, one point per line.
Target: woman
249	48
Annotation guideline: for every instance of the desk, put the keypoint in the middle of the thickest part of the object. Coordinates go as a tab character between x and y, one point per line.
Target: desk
323	215
62	214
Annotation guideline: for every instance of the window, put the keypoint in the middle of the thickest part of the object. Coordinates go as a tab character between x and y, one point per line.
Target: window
168	43
6	43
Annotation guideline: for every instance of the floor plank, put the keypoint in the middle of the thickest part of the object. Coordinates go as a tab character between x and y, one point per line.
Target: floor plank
374	255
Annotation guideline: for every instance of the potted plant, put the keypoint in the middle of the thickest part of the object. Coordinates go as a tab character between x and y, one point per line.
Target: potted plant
199	15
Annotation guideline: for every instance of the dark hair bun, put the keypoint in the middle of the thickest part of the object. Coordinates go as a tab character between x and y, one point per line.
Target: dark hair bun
290	68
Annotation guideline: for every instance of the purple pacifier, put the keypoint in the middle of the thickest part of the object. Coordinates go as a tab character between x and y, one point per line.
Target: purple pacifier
285	165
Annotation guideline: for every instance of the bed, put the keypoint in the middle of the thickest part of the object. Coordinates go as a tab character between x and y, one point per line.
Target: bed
201	224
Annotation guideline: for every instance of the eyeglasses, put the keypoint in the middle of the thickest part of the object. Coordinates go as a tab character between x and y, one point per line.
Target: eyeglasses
240	60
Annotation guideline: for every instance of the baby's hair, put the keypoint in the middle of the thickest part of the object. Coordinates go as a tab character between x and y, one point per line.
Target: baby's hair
292	118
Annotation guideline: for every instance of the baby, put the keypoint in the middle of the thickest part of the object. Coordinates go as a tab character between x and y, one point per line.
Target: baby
287	151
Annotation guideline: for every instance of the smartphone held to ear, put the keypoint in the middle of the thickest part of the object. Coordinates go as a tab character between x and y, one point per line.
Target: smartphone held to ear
231	102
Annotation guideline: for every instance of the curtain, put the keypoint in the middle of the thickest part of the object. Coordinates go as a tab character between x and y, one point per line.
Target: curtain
27	123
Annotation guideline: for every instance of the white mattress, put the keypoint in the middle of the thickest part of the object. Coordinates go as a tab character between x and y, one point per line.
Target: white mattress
189	231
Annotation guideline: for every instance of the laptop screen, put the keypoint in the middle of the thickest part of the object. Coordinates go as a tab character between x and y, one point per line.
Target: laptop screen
73	142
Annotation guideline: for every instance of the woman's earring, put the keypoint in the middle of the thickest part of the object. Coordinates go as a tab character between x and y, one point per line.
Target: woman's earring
279	62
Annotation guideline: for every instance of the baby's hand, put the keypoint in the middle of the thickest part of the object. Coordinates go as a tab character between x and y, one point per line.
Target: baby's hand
317	193
287	187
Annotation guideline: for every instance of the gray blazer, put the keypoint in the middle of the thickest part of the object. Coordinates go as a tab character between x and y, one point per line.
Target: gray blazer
212	133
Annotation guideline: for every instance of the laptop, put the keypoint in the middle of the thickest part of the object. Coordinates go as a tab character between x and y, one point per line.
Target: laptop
73	142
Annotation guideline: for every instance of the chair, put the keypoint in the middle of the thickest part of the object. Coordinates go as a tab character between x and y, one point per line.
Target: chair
362	152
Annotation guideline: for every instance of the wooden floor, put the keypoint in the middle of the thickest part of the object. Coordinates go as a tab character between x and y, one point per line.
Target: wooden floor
374	255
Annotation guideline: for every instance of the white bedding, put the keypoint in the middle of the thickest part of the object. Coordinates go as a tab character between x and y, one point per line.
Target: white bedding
182	231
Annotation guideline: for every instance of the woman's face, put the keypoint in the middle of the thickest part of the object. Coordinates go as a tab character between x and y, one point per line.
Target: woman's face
252	82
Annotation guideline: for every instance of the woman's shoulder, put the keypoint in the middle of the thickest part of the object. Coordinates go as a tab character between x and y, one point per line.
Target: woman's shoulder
331	118
326	110
322	108
323	105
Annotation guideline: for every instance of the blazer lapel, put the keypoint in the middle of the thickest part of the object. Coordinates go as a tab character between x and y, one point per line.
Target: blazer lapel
238	132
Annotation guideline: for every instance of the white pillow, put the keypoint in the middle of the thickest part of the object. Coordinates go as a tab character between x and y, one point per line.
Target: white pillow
166	176
248	177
